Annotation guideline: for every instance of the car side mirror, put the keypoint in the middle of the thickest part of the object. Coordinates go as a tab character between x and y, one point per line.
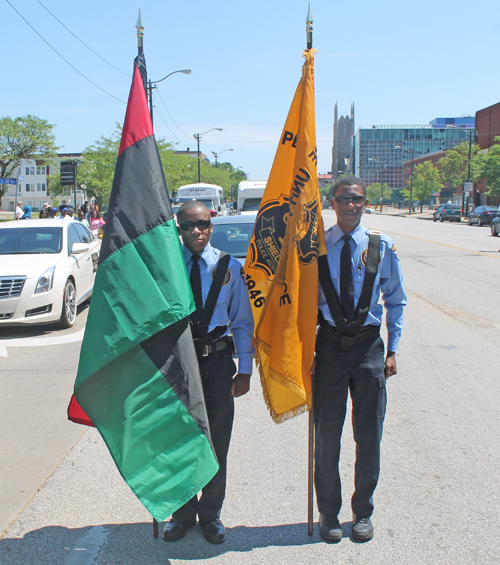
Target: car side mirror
79	248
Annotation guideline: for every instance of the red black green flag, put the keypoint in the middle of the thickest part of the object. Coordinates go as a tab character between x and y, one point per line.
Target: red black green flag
138	379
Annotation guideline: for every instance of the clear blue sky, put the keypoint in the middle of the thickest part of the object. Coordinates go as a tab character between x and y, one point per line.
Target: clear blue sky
400	62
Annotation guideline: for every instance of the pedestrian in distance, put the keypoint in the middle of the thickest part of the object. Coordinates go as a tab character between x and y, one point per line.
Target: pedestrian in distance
27	213
81	218
222	303
19	210
359	267
64	213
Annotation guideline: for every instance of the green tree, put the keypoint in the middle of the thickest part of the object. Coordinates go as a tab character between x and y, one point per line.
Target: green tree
25	137
454	166
373	193
490	168
426	180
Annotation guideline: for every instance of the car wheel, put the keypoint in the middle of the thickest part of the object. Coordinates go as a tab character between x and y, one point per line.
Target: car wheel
493	231
459	220
479	221
469	222
441	219
68	314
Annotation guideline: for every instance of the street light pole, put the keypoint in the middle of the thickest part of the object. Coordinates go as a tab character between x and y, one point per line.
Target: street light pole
412	152
150	87
198	136
217	155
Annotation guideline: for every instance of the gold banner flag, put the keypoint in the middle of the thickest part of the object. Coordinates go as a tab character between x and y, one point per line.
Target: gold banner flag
282	262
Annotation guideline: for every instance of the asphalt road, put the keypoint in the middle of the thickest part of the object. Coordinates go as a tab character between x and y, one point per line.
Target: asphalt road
438	500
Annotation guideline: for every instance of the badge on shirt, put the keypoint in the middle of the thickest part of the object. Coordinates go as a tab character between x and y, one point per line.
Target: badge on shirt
227	277
393	249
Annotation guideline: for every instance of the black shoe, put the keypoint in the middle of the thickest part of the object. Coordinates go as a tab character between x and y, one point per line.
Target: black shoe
362	529
214	531
329	528
176	529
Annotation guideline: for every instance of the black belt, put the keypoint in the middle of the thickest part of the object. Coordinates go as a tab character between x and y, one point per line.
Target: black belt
348	341
204	350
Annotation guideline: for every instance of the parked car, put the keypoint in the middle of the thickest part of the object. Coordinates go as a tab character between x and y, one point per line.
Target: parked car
232	234
47	268
495	226
450	212
482	215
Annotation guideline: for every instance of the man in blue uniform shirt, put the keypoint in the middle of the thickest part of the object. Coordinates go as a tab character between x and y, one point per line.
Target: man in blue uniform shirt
218	371
350	356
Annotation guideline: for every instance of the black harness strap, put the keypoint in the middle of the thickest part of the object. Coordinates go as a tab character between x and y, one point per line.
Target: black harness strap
371	267
201	329
332	298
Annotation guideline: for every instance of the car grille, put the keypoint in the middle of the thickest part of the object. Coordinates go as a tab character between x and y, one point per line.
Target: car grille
10	287
6	316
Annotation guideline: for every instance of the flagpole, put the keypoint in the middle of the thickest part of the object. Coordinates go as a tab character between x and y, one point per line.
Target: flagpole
310	459
140	51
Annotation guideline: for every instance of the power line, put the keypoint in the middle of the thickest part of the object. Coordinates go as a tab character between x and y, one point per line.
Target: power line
188	138
165	123
83	43
57	52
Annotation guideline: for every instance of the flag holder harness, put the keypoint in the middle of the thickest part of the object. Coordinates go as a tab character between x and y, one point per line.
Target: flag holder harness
349	335
206	342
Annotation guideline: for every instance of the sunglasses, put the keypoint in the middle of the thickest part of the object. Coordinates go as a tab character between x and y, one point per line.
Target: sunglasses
343	199
200	224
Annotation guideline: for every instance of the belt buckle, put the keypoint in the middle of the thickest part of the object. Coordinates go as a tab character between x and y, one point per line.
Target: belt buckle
205	351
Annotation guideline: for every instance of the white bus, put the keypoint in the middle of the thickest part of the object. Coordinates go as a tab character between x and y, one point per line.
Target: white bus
211	195
250	193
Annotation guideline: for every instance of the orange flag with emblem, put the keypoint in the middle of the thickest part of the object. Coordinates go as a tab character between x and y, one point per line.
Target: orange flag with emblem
282	262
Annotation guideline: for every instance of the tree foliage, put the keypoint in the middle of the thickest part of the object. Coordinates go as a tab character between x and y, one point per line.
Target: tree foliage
490	168
97	168
454	166
426	180
373	192
25	137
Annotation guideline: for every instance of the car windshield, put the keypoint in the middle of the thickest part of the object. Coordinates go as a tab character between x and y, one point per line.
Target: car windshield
490	209
232	238
251	205
208	203
25	240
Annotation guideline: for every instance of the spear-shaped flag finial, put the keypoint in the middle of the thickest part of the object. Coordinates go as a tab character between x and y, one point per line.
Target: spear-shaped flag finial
140	34
309	28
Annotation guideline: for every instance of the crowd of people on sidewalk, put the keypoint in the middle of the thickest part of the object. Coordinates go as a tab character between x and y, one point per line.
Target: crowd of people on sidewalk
89	216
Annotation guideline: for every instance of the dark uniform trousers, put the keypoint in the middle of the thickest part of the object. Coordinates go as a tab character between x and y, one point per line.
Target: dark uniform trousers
217	371
360	371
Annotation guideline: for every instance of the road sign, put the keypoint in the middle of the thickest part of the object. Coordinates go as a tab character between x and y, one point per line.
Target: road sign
468	186
7	181
21	177
68	173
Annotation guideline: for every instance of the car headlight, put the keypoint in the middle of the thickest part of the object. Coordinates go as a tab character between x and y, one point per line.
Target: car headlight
45	281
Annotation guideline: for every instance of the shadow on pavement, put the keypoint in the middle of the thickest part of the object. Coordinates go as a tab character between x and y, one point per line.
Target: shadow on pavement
134	543
38	330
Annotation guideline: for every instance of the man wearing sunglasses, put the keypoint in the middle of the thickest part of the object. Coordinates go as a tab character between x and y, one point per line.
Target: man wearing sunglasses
359	267
221	382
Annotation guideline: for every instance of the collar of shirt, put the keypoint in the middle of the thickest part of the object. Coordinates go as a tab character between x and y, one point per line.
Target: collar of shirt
208	254
334	234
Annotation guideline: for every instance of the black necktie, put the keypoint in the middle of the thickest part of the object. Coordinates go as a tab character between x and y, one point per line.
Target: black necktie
346	286
195	280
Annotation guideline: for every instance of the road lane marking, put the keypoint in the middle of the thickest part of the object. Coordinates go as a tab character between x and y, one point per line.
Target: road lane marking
481	253
40	341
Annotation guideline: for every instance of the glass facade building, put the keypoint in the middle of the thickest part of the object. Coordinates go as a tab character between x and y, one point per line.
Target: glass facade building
381	150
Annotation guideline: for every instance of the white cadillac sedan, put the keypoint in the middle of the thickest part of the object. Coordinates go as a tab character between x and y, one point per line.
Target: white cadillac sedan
47	268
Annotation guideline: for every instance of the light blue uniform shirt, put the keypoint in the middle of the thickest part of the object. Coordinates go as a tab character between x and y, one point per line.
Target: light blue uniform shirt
233	304
389	280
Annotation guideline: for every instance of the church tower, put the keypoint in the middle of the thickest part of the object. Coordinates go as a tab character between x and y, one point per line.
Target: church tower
343	132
